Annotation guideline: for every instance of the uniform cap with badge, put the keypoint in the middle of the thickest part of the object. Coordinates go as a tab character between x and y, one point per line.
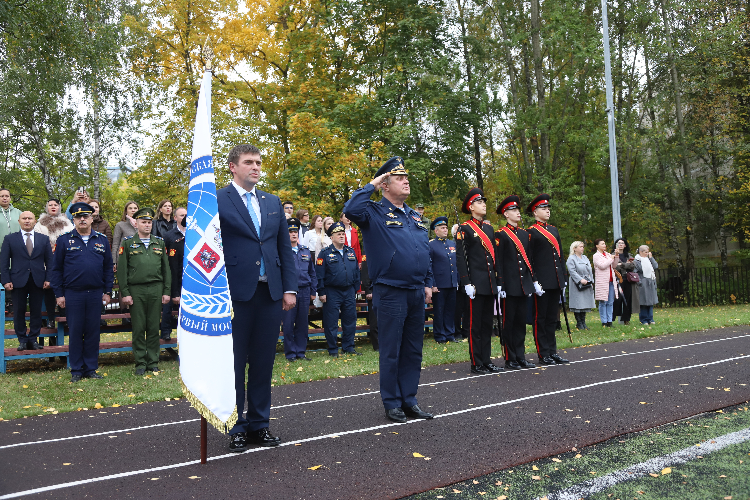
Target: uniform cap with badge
439	221
81	209
473	195
144	214
336	227
394	165
509	203
541	201
293	223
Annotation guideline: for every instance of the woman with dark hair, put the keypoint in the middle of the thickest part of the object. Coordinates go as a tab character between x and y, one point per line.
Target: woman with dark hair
605	290
124	228
99	223
623	306
164	221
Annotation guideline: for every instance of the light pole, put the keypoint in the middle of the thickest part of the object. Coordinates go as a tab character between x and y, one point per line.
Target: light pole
616	221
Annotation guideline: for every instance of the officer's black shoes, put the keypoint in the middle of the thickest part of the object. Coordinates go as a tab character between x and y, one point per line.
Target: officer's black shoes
290	360
493	368
34	345
352	352
155	369
75	378
262	437
396	415
526	364
512	365
93	375
547	360
416	412
559	359
140	371
304	358
22	346
333	354
238	442
479	369
166	336
441	341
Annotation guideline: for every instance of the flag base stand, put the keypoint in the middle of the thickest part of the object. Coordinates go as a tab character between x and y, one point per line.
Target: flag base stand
204	439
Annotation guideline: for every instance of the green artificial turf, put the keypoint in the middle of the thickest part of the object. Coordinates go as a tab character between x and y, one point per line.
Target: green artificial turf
33	387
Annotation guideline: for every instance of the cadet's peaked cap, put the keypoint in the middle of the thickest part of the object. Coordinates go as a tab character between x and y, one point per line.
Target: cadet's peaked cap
439	221
509	203
335	228
395	166
419	205
473	195
144	214
540	201
293	224
81	208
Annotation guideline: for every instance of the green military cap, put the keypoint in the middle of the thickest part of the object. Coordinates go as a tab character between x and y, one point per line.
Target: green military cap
144	214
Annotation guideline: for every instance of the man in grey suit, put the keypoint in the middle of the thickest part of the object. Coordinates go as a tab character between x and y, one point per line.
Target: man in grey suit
262	279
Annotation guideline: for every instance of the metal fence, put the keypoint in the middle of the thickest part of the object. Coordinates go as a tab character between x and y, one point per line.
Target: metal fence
704	286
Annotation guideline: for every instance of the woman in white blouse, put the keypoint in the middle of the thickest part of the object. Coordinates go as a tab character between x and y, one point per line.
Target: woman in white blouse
315	239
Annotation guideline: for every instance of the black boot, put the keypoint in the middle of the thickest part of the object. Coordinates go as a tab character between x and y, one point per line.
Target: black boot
583	321
579	323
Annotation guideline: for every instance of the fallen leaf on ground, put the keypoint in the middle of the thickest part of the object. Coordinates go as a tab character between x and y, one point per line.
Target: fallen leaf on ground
556	460
299	369
194	477
98	405
536	478
578	455
499	483
115	405
653	475
666	470
475	481
534	467
722	475
456	491
315	467
66	463
417	455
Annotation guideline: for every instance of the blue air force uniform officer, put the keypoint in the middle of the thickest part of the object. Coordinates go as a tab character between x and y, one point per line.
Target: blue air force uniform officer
81	278
294	321
399	265
445	274
338	282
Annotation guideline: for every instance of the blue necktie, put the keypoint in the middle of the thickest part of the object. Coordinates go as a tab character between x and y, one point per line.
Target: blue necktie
254	217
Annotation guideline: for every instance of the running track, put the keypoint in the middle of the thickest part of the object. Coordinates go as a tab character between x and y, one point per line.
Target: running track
484	423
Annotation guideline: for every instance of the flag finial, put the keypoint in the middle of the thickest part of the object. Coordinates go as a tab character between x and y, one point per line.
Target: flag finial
208	54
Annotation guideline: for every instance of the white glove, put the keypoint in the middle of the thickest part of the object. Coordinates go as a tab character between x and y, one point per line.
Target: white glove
471	291
500	292
538	289
317	302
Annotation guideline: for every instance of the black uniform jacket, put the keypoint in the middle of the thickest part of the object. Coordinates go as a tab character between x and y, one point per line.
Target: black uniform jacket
482	272
175	243
549	268
515	276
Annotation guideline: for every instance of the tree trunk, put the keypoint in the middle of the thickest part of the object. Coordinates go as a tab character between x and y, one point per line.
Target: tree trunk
96	131
530	103
41	157
536	45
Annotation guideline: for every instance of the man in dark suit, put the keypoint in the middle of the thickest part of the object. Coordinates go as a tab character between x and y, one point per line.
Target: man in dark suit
24	259
262	279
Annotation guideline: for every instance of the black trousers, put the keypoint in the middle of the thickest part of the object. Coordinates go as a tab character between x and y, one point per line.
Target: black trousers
546	315
514	327
481	310
35	296
624	308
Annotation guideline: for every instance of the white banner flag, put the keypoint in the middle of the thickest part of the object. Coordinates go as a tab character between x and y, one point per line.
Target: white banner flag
204	332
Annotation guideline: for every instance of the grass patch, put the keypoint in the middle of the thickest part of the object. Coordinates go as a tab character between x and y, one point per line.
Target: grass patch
47	385
701	478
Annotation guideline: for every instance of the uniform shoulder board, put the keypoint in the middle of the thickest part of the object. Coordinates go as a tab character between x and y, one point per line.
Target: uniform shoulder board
157	237
127	238
301	247
433	239
465	223
100	234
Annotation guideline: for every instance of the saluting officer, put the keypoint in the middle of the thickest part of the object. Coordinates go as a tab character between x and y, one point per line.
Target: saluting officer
445	276
338	282
82	277
294	321
549	270
517	282
399	266
145	285
476	247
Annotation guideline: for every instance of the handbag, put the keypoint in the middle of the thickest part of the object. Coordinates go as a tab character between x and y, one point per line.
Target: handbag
633	277
584	287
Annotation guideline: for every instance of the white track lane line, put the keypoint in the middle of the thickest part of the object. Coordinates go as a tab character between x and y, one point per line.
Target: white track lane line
358	431
323	400
655	465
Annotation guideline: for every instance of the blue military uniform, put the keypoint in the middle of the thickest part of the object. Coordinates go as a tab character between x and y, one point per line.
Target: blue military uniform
398	259
294	321
338	280
445	275
82	272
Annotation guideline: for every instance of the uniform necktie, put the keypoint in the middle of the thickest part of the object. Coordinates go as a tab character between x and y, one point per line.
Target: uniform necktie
29	244
254	217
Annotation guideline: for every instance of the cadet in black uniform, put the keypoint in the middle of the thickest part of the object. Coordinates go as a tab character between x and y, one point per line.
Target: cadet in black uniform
549	270
82	277
517	282
445	275
174	241
476	247
338	282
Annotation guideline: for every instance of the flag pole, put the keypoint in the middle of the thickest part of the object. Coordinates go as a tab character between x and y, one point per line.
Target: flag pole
204	439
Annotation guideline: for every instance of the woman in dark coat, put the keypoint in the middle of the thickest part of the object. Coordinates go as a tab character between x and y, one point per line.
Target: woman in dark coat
164	222
623	306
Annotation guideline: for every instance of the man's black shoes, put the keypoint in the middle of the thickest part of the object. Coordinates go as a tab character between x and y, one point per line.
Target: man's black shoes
416	412
75	378
512	365
22	346
481	369
493	368
547	360
140	371
526	364
92	375
304	358
263	437
34	345
396	415
238	442
558	359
